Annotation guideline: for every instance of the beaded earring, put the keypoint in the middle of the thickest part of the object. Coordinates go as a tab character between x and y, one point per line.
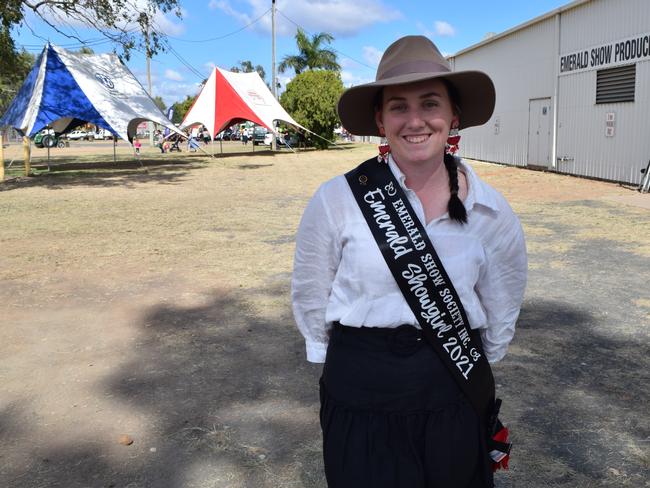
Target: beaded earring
384	148
453	141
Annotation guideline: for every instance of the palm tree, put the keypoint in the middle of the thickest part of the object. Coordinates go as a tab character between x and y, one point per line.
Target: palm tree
247	67
311	54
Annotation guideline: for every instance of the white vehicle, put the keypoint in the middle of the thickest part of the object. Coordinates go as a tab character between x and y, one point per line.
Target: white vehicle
268	139
102	134
78	135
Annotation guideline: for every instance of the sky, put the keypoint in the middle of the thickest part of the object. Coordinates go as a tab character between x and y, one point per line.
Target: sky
224	32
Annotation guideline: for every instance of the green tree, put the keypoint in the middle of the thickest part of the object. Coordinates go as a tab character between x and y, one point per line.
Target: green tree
129	25
160	103
181	108
311	99
85	50
13	73
11	60
312	54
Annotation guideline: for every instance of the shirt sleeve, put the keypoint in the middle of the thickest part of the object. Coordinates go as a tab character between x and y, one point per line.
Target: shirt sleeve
501	284
316	260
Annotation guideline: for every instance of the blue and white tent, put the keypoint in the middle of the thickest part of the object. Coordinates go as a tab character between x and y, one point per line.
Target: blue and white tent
65	89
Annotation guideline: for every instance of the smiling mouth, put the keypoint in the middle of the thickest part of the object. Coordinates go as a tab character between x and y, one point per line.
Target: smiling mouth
419	139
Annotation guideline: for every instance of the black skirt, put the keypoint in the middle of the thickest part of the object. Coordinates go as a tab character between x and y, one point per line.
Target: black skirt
393	417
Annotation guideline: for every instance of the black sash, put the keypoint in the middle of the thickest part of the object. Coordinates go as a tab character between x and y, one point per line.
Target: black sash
418	271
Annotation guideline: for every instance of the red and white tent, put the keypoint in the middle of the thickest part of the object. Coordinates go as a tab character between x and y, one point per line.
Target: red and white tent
228	98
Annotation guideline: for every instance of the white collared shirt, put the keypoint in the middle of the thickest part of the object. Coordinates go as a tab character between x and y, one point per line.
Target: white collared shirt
340	275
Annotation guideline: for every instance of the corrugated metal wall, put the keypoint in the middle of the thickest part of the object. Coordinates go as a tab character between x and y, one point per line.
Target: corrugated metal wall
521	66
524	66
581	128
600	21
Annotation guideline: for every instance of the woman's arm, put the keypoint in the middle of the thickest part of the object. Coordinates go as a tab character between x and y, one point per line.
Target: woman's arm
316	260
502	283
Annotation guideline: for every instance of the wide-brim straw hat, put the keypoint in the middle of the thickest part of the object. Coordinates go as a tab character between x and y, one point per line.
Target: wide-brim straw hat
411	59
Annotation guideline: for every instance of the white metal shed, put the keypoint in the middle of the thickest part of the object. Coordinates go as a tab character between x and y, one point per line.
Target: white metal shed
573	91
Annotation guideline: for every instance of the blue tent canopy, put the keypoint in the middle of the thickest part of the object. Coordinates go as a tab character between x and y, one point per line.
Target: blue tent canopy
65	89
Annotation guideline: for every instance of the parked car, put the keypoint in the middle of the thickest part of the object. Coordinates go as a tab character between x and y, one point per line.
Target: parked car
259	135
224	135
78	135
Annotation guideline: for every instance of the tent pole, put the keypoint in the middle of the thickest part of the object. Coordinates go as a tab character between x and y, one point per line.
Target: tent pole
26	155
150	124
2	158
48	158
221	145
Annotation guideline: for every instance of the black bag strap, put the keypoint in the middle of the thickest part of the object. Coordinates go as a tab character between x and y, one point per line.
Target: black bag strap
425	284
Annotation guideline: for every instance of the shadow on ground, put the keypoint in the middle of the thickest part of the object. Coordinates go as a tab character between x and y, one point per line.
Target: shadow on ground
106	174
231	398
577	401
576	377
282	151
234	403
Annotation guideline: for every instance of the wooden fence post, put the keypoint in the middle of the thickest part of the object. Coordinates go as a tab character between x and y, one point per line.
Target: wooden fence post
2	158
26	154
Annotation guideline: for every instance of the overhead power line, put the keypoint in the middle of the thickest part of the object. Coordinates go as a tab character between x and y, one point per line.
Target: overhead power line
176	54
225	35
193	70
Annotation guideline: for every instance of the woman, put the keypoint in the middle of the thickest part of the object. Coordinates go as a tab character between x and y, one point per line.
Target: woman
392	414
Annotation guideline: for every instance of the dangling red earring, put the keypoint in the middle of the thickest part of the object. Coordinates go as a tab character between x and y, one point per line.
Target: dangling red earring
384	149
453	141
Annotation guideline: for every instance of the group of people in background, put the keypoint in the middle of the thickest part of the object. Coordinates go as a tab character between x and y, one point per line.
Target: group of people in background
165	144
196	135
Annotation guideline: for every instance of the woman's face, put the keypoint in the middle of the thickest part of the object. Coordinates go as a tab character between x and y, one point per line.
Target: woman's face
416	118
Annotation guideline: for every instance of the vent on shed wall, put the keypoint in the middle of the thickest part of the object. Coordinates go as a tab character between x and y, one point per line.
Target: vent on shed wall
616	84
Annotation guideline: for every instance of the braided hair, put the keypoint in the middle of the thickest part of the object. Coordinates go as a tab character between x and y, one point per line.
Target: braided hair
455	207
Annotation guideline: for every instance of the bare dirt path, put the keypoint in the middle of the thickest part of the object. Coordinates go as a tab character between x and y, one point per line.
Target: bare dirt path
154	304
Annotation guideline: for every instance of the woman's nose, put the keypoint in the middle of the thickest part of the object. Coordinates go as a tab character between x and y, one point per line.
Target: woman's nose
415	119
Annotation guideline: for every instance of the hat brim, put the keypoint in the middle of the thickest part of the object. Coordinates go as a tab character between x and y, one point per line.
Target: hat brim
475	90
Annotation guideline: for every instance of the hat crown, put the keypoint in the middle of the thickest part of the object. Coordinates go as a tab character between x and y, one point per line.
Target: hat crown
411	54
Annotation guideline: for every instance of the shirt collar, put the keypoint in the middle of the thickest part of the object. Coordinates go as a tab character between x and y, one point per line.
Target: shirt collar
477	193
397	173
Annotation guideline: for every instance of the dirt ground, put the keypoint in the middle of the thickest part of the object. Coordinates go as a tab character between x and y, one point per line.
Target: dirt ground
152	305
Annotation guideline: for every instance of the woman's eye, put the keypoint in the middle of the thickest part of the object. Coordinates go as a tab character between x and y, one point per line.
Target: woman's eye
398	108
430	104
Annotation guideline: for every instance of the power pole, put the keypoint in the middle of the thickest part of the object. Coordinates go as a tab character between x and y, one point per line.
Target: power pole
274	145
148	54
275	90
